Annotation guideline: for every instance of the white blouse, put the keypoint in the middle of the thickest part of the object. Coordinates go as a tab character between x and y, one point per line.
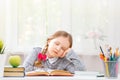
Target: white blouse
52	60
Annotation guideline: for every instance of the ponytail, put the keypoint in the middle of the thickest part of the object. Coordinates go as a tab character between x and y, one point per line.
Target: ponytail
45	49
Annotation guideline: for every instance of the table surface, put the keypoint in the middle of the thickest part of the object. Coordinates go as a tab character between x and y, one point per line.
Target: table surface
79	75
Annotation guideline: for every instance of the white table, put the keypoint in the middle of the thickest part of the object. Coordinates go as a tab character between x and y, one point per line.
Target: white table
77	76
58	78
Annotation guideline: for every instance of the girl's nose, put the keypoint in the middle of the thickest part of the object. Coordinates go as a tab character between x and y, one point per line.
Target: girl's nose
58	48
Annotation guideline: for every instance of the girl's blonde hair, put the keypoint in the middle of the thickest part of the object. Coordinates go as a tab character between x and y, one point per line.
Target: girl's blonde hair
55	35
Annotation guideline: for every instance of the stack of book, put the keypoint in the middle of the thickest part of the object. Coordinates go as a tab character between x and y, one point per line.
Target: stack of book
14	72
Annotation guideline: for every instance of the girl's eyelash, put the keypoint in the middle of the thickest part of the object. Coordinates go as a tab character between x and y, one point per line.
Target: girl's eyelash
56	43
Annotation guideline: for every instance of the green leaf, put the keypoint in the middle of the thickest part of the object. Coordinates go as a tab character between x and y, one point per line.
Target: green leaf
2	51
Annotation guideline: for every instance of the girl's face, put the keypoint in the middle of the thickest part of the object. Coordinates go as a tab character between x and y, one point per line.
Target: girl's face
57	46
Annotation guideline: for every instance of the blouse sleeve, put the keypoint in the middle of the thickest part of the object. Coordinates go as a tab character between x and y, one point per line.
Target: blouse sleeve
31	58
75	59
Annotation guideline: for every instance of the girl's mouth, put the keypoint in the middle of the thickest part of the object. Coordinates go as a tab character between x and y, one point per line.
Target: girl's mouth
55	52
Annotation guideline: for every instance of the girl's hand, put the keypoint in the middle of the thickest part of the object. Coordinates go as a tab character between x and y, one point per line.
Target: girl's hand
65	52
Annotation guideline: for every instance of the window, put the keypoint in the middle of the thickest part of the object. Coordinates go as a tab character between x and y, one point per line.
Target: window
27	23
37	19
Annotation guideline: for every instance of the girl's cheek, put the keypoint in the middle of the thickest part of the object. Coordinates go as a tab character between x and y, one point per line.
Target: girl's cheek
60	54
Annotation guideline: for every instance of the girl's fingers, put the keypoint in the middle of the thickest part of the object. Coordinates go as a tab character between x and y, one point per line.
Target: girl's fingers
64	54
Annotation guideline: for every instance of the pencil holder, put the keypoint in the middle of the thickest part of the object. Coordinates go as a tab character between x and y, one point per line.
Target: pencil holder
111	69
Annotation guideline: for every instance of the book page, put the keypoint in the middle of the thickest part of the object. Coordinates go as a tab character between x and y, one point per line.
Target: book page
36	73
60	73
14	69
49	73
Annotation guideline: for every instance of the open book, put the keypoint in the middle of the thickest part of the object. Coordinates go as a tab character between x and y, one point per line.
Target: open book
50	73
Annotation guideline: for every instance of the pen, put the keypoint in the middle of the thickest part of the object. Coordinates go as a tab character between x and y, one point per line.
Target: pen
110	51
106	66
116	55
117	52
102	56
102	51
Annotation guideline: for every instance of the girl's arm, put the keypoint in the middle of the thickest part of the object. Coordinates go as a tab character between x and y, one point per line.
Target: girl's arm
75	59
31	58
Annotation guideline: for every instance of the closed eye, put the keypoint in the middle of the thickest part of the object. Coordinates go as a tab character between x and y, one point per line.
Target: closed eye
57	43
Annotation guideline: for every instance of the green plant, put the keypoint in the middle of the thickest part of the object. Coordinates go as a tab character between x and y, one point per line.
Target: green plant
2	48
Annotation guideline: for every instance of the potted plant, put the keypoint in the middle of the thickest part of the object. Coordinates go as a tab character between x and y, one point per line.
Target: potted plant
2	48
2	58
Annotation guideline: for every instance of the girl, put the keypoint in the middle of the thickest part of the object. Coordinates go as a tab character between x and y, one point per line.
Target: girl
60	56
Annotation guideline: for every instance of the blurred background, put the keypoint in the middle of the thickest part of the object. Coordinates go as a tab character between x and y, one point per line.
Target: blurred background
25	24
